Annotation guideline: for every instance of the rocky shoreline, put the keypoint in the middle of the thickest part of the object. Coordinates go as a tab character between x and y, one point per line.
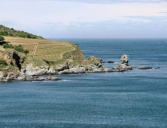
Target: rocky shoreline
31	73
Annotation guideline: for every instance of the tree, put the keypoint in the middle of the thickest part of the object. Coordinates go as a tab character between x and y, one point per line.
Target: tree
2	38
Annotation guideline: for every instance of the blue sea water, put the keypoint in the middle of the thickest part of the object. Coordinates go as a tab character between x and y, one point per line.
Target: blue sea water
134	99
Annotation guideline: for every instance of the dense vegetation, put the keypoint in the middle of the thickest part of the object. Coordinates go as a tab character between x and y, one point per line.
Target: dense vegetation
5	31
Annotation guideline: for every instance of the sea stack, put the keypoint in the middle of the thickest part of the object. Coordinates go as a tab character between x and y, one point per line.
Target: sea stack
124	66
124	60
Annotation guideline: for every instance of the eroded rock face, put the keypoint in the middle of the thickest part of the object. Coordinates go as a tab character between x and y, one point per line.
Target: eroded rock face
110	62
75	70
8	76
52	70
96	61
3	76
13	58
96	65
30	70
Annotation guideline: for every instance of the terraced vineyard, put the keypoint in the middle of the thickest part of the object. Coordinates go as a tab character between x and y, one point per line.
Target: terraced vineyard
44	49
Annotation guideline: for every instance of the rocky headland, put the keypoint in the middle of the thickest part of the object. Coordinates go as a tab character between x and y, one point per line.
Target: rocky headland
38	59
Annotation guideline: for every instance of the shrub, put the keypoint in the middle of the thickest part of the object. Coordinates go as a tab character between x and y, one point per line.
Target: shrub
18	48
2	38
26	51
6	45
3	63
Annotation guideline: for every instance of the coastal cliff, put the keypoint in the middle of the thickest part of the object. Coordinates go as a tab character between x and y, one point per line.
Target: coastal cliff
27	58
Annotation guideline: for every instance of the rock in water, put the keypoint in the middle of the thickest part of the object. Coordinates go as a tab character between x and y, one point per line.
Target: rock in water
124	60
124	66
110	62
144	67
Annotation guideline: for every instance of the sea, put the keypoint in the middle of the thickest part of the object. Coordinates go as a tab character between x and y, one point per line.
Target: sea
133	99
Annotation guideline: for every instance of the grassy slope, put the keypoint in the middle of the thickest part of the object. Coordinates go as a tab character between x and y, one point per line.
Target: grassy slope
51	51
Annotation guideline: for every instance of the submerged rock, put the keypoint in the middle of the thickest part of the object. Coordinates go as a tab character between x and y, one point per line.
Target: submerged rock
110	62
144	67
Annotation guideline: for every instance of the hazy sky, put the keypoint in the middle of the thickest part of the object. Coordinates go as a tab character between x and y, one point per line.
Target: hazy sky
87	18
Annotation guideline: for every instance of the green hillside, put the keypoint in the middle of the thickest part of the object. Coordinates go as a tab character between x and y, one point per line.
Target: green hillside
5	31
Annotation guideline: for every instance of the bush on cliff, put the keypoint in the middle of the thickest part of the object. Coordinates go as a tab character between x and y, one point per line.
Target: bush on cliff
6	45
18	48
2	38
3	63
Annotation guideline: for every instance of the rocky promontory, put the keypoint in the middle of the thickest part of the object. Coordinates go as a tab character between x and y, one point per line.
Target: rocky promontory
38	59
43	58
